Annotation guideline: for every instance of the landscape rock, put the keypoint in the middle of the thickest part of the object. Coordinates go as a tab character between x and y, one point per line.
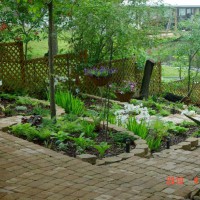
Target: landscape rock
125	156
185	146
194	141
143	146
87	158
138	152
100	162
110	160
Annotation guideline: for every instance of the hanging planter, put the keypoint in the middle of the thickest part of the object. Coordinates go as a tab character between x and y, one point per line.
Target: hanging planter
100	81
124	97
125	92
99	76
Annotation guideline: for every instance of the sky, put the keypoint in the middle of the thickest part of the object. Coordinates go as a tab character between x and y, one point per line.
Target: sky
182	2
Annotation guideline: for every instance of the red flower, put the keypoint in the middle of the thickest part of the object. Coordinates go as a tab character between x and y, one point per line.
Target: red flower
3	26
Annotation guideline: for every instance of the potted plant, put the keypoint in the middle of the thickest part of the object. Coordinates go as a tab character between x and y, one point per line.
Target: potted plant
99	76
124	92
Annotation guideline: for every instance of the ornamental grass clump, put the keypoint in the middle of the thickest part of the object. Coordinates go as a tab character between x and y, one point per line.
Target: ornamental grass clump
99	72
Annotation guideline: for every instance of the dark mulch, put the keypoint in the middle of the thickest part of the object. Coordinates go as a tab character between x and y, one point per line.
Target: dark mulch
114	150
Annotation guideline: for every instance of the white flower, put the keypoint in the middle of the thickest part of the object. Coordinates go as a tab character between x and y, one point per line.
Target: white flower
77	90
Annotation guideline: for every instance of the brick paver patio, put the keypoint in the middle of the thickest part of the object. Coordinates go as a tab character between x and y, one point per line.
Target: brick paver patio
29	171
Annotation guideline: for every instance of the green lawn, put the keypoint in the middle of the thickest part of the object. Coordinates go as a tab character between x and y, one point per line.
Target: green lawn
37	49
171	73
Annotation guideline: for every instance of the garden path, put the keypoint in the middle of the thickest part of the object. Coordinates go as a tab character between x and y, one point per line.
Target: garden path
29	171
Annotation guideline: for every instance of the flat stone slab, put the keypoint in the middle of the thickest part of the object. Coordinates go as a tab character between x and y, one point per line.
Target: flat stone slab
87	158
143	146
110	160
185	145
100	162
9	121
140	141
138	152
194	141
178	118
125	156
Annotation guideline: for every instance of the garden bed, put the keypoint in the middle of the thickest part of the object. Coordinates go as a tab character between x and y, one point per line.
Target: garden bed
75	134
73	137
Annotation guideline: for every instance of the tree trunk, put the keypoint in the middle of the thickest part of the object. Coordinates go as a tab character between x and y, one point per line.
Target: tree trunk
51	67
55	40
189	73
144	91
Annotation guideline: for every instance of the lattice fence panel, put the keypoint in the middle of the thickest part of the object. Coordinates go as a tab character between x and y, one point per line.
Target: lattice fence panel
36	74
11	65
180	88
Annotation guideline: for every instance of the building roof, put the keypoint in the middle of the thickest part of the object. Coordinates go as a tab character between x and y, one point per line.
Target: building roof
181	3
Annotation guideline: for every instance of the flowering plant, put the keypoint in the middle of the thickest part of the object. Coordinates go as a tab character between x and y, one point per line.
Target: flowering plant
127	87
99	72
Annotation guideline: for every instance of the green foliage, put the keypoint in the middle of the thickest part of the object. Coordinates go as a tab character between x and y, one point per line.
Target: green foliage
88	129
26	101
8	96
194	120
102	148
44	134
164	113
139	129
70	127
134	102
151	111
38	110
61	136
158	130
176	129
82	143
70	103
97	117
21	108
186	124
25	130
196	134
122	137
154	143
8	111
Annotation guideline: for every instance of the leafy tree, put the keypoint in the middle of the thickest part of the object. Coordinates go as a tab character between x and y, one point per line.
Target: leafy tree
94	24
23	20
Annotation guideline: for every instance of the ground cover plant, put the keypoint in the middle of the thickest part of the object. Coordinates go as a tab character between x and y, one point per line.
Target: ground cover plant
11	105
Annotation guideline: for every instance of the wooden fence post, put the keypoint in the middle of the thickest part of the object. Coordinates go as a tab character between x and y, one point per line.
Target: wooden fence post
22	63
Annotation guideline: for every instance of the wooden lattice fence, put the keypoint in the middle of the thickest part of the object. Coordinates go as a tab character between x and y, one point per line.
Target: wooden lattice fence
127	71
31	75
180	88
